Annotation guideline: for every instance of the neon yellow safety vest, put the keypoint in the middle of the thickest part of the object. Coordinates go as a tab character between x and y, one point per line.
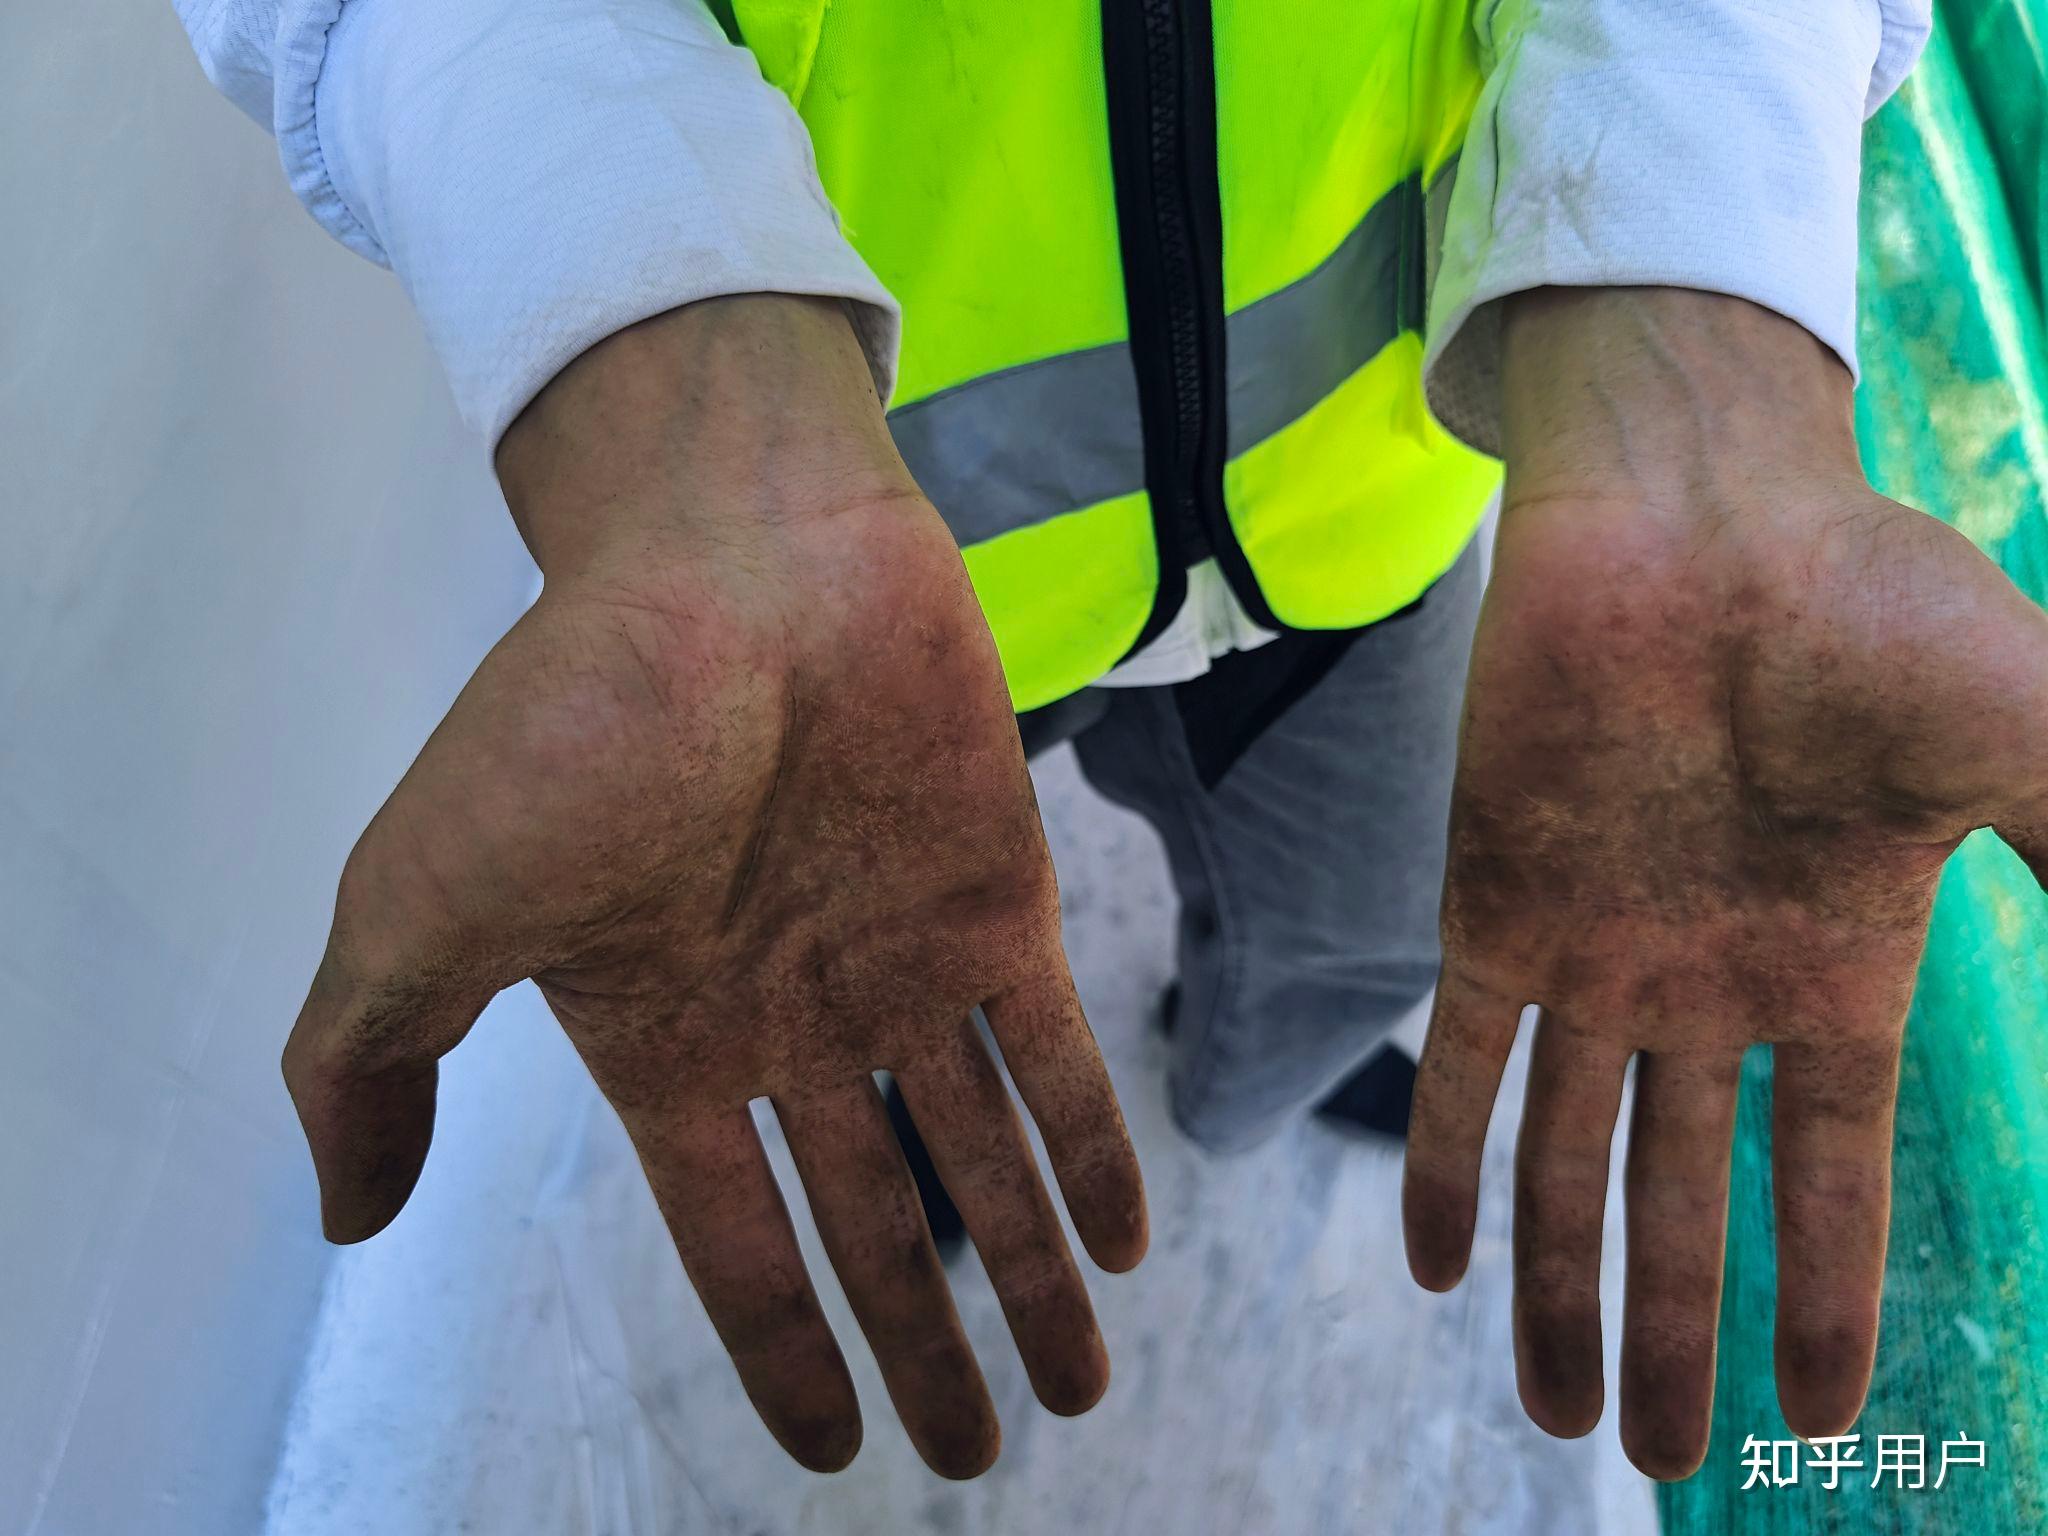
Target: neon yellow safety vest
1161	269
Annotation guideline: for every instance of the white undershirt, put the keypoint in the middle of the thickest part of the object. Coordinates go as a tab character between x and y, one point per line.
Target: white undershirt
542	173
1211	623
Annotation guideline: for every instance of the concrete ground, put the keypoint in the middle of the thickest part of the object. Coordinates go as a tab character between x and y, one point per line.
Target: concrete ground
520	1353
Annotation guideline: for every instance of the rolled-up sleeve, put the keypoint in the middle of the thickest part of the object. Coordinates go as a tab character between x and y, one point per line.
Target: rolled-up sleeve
1709	144
540	173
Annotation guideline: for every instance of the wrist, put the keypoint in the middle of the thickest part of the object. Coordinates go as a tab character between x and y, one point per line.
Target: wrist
1667	399
717	426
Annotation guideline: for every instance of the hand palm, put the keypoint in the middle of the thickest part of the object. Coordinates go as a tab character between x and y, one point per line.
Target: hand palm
758	826
1709	774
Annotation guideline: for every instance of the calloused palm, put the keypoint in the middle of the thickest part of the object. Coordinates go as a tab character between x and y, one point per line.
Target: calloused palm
1715	752
753	812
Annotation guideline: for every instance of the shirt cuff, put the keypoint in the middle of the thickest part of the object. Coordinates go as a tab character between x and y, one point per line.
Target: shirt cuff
543	173
1671	143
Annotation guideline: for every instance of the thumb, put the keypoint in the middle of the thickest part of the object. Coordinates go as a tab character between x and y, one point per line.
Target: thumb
2010	659
2027	836
361	1066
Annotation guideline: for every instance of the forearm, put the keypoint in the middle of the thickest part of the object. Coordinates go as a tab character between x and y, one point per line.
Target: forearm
1660	393
1702	144
541	173
709	421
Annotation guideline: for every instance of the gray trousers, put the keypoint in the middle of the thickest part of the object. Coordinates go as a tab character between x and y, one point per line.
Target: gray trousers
1302	791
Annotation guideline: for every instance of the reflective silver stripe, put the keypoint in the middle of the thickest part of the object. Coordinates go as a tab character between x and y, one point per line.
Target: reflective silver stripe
1015	448
1291	349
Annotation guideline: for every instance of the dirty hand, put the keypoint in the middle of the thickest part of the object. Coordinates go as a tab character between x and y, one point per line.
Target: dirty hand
744	794
1729	711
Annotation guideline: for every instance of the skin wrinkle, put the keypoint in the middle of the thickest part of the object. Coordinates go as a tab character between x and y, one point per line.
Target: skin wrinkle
1728	712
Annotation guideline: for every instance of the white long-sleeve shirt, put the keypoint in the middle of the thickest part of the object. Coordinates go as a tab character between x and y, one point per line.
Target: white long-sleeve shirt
542	173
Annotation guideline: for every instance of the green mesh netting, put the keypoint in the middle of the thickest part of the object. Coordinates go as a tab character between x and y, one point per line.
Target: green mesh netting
1953	415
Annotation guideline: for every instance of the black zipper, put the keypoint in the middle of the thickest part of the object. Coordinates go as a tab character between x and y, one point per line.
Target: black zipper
1160	70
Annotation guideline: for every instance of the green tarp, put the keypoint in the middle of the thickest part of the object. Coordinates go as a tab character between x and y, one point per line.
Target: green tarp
1953	415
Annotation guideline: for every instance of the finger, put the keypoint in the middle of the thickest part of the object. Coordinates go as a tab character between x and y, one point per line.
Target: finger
957	1098
874	1228
1561	1164
1058	1069
1831	1159
361	1068
1678	1154
1471	1031
720	1199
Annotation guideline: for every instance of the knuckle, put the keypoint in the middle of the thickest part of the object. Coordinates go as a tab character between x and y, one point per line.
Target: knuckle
1667	1340
1556	1287
1025	1262
1825	1347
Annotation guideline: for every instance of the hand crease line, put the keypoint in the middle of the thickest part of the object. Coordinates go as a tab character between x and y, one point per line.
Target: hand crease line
745	879
1758	811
